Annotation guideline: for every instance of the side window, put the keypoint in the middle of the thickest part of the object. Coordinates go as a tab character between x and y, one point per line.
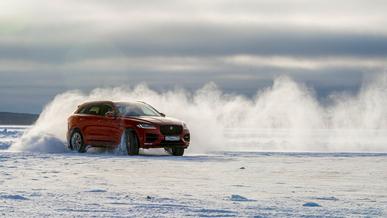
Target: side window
105	108
93	110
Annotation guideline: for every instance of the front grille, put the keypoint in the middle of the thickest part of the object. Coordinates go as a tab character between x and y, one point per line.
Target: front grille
149	137
171	129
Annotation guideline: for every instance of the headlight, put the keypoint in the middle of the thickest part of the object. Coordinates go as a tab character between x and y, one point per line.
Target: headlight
185	126
145	126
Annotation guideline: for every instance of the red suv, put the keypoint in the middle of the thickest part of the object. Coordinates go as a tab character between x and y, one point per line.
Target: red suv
133	124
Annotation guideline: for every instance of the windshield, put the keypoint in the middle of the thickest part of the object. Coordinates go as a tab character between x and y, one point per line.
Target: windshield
135	109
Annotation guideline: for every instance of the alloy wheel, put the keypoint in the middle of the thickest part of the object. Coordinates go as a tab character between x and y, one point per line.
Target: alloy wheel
76	141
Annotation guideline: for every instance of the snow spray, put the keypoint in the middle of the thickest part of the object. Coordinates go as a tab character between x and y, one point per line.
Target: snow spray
283	117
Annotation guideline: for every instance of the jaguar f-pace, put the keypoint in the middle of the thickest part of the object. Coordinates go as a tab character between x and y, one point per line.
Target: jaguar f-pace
134	124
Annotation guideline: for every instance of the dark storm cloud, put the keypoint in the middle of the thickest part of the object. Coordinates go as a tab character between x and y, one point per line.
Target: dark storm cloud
203	40
222	40
47	47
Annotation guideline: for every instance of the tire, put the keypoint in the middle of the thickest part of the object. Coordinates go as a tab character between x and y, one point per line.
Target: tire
175	151
131	142
76	141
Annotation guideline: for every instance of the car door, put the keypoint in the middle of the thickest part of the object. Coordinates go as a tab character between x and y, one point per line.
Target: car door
109	126
91	121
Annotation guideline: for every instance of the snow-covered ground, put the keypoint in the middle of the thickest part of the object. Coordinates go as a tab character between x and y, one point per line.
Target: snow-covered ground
216	184
9	134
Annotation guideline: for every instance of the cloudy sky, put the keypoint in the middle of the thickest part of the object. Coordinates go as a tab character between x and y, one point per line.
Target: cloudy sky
49	46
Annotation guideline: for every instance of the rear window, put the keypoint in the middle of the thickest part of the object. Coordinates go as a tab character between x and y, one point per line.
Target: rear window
81	110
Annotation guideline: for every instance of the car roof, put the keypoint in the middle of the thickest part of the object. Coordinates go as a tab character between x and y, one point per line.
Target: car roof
128	102
95	102
108	102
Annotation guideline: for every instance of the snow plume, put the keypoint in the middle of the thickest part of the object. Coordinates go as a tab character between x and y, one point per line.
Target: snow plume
284	117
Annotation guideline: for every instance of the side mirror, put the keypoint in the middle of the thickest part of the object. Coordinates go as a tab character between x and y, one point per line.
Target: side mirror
110	114
162	114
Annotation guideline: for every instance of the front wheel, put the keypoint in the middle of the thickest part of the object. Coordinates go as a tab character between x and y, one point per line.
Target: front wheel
131	142
175	151
76	142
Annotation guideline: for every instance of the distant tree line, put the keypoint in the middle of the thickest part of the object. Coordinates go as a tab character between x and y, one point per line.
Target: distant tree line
8	118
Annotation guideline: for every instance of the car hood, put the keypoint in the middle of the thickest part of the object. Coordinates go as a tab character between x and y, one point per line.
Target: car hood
156	120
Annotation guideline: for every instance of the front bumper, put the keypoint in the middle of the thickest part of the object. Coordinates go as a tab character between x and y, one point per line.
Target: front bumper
155	139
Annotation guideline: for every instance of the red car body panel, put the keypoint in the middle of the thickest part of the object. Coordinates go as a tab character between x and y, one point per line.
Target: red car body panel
107	131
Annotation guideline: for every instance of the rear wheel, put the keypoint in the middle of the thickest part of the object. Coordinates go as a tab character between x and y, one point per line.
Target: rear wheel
76	142
131	142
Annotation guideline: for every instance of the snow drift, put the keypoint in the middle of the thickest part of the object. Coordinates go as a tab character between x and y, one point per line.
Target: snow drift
284	117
